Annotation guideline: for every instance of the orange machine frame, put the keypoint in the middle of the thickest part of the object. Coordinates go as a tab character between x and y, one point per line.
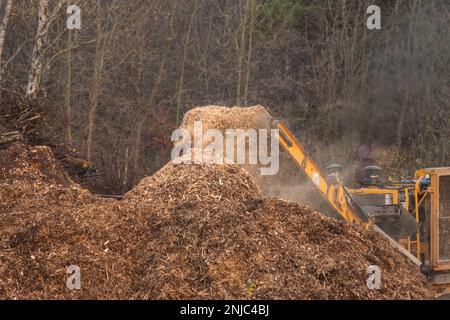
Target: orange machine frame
338	196
433	193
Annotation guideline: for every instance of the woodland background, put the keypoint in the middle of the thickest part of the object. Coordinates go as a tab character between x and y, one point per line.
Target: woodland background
113	91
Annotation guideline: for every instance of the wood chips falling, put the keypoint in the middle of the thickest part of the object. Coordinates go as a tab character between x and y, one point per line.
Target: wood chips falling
187	232
222	118
289	183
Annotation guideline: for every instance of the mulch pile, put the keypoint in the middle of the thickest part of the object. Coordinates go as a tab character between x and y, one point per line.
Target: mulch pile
48	223
213	235
187	232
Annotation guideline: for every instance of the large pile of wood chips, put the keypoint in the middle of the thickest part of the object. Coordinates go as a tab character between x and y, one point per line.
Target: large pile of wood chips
288	183
215	236
189	231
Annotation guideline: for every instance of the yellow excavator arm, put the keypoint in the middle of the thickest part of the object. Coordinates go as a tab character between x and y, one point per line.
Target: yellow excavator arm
334	193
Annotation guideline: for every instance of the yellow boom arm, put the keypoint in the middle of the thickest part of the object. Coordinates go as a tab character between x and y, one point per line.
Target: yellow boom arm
335	194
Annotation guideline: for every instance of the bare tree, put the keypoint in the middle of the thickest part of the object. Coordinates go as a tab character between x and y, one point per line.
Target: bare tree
45	18
2	32
149	106
96	79
183	62
248	68
68	93
240	44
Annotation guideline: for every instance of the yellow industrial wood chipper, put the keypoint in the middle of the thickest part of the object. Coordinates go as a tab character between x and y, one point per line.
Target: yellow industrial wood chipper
414	215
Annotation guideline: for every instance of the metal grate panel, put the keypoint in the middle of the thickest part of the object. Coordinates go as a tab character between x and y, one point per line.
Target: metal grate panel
444	218
373	199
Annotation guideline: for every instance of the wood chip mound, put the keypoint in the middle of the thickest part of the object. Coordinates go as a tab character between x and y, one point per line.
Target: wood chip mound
187	232
212	236
48	223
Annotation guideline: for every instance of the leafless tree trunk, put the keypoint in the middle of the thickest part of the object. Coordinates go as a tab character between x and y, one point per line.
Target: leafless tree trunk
251	27
400	124
135	156
44	21
205	70
2	33
183	63
409	67
95	82
67	96
241	54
